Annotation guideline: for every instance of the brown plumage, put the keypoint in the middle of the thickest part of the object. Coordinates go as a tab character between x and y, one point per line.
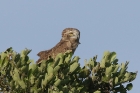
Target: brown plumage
69	41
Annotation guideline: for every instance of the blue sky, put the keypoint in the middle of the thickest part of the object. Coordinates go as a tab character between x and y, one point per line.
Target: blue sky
104	25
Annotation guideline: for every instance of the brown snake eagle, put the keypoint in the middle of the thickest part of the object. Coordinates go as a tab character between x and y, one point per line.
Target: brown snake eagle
69	41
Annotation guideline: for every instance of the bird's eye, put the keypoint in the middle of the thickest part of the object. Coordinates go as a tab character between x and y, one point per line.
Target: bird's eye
71	34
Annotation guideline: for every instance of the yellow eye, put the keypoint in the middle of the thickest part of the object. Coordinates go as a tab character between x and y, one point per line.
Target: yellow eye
71	34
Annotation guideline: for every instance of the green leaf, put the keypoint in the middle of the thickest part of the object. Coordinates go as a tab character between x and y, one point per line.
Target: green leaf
116	80
9	49
16	75
116	68
112	56
75	59
73	67
2	57
56	69
108	70
32	79
58	82
22	84
24	68
129	86
50	70
33	68
91	63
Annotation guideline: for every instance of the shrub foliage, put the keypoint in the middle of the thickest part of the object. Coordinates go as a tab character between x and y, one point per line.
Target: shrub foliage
19	74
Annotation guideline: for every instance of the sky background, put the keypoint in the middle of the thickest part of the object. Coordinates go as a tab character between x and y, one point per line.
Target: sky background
105	25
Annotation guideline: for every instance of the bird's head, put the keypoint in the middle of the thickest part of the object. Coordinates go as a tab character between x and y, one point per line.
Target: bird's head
71	34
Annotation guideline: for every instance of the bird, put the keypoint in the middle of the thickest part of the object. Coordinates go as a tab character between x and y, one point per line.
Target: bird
68	42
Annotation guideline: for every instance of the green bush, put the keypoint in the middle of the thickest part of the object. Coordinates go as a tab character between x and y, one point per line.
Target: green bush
19	74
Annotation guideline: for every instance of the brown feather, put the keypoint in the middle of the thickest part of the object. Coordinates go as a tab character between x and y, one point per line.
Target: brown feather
66	43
